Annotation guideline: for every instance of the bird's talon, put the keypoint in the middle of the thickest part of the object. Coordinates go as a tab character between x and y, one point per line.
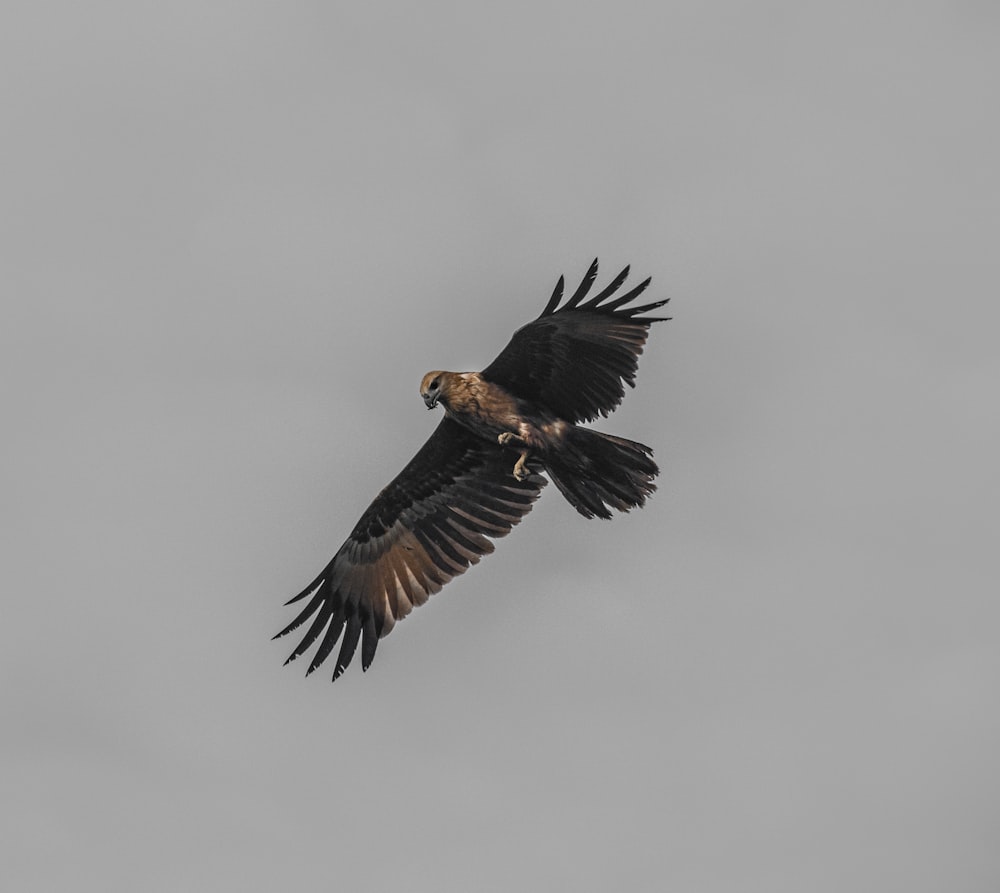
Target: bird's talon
505	438
520	472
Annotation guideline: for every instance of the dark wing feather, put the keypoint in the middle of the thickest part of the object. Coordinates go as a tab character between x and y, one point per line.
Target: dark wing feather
574	360
426	527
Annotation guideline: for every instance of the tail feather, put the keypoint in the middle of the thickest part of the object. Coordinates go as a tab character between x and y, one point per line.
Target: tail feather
599	472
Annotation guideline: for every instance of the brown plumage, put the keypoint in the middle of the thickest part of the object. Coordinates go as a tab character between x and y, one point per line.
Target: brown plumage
480	472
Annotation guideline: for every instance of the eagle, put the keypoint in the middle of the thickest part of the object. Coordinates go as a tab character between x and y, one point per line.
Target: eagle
482	469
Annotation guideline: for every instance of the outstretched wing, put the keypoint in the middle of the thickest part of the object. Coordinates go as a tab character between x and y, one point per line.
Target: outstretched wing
574	359
426	527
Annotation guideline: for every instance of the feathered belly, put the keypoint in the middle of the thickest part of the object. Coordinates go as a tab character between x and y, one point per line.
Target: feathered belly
536	433
487	425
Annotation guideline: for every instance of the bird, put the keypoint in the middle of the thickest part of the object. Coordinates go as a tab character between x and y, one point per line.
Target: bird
505	429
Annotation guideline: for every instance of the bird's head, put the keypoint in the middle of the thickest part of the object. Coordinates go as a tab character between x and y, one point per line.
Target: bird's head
431	388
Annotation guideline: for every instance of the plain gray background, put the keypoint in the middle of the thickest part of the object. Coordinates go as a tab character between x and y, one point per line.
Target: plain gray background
235	235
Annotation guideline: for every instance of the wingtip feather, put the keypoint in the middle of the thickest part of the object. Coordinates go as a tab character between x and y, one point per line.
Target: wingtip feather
608	290
369	642
309	590
583	288
645	308
630	295
557	294
348	645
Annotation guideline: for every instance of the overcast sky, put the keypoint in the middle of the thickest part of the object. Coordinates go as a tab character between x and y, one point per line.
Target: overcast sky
234	237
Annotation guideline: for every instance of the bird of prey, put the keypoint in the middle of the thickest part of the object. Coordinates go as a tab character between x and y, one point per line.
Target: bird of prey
481	470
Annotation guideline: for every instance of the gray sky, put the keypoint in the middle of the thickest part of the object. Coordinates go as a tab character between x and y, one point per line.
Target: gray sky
235	235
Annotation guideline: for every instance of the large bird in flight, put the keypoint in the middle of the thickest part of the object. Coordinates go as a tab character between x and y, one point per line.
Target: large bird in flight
481	470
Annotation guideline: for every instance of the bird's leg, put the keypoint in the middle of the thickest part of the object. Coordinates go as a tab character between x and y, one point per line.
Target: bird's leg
520	472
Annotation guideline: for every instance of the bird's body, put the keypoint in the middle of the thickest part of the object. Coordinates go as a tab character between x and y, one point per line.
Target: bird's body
489	410
480	471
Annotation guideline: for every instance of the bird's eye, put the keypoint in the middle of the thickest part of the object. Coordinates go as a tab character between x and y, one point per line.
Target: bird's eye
435	383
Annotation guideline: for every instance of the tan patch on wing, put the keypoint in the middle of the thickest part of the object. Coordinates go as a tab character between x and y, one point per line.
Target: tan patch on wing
433	522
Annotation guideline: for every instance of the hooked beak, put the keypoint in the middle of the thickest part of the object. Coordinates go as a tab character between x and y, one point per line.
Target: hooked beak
430	400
